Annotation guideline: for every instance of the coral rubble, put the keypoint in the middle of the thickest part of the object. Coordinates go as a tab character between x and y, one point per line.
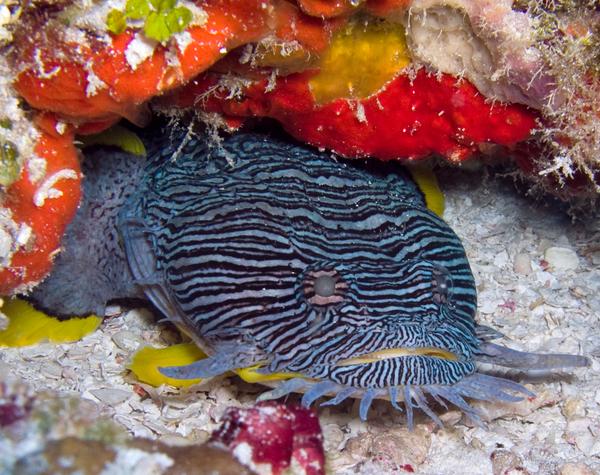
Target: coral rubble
44	433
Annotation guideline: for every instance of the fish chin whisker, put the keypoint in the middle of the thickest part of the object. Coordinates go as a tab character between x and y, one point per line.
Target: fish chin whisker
421	401
485	387
341	396
365	402
480	387
477	386
453	395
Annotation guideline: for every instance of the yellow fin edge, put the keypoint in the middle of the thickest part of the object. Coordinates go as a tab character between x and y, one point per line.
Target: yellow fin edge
429	186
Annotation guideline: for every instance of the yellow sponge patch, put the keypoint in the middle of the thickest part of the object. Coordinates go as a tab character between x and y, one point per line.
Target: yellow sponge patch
360	60
28	326
145	363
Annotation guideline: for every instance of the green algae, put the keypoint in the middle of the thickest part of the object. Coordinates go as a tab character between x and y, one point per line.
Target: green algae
162	18
9	163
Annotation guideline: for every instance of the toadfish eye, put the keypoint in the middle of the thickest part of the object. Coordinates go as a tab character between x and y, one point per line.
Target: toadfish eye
324	287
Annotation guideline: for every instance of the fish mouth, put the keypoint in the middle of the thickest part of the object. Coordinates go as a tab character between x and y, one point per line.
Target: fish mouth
390	353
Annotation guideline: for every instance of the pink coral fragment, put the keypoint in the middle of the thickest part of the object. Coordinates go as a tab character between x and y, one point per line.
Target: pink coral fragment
273	435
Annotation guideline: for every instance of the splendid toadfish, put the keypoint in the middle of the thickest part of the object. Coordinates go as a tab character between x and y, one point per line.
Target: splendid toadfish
332	273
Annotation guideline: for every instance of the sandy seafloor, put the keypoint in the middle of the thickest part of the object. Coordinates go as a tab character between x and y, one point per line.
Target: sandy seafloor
546	310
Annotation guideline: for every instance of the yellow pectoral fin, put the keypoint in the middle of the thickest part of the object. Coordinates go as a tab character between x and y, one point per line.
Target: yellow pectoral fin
429	186
28	326
145	363
251	375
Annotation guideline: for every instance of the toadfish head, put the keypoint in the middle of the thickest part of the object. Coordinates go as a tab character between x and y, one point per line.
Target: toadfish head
412	322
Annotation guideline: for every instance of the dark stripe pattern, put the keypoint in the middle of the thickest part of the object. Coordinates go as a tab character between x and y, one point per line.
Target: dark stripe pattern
291	256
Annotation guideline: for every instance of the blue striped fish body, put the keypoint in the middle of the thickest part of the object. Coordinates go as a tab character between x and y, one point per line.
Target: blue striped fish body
277	254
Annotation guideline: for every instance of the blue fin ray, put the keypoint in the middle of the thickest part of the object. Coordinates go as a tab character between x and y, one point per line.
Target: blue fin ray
408	404
393	390
340	397
285	388
365	403
421	401
316	391
452	395
485	387
438	399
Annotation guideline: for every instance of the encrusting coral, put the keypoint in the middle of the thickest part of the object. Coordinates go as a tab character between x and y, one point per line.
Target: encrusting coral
392	79
39	206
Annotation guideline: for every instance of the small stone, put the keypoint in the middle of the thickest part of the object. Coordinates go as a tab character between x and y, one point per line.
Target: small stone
401	447
477	444
501	259
578	433
594	304
544	244
111	396
588	280
575	469
488	306
176	440
38	351
451	418
51	369
356	426
505	462
341	462
69	374
333	437
522	264
113	311
358	447
561	258
126	340
573	408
